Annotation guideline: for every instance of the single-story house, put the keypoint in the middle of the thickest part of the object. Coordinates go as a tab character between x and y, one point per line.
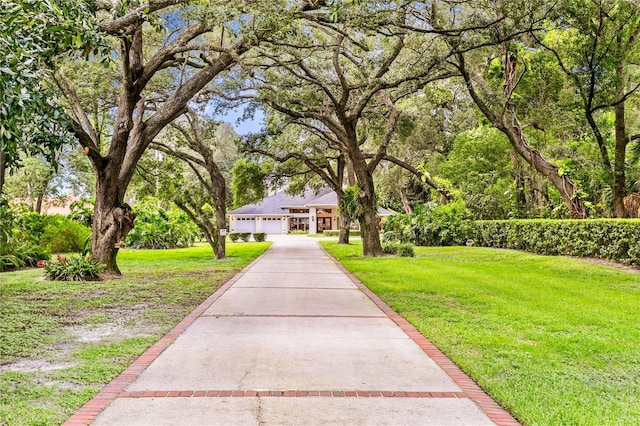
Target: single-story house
312	212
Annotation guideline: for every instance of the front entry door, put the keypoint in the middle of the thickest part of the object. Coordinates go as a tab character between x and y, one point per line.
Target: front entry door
324	223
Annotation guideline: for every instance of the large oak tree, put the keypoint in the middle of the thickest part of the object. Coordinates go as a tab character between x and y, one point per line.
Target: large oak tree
184	44
341	78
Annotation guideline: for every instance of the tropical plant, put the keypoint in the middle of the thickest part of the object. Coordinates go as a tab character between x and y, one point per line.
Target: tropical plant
82	211
158	227
398	248
73	268
17	250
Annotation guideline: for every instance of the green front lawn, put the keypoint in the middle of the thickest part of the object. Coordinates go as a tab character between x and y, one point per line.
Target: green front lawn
60	342
555	340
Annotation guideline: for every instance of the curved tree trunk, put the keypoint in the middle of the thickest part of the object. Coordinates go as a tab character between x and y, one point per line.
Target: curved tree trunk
567	188
3	171
504	119
112	222
344	224
619	188
221	219
371	246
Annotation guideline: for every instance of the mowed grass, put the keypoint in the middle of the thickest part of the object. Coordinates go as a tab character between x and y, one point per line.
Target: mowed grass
61	342
554	340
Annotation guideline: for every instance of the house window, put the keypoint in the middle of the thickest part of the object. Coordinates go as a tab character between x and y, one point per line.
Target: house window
299	224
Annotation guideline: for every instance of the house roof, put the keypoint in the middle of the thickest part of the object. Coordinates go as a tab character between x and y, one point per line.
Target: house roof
277	203
329	199
281	202
384	212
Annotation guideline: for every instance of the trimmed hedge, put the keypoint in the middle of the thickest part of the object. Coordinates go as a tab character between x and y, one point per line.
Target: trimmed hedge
259	236
235	236
336	233
616	240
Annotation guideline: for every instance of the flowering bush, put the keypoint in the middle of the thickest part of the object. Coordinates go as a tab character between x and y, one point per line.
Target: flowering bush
73	268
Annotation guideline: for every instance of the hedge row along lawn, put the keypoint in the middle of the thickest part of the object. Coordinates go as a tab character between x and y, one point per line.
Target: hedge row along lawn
61	342
555	340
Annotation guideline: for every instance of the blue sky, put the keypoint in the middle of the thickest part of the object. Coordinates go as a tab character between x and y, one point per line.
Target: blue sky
241	127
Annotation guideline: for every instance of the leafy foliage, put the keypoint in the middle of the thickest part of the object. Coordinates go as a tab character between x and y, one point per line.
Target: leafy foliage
351	204
64	235
431	224
259	236
82	211
398	248
160	228
33	34
247	184
610	239
236	236
73	268
56	233
17	250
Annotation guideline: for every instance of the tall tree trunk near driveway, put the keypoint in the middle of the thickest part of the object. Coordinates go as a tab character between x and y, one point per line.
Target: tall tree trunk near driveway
112	222
371	245
620	157
221	218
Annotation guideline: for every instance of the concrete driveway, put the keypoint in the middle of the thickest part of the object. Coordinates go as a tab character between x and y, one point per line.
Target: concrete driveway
293	340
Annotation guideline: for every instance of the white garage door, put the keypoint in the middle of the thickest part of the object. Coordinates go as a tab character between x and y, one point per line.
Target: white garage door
245	224
271	225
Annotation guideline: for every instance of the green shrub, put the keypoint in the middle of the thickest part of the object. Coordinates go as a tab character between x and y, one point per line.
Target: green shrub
32	225
31	253
336	233
82	211
390	247
244	236
9	260
298	232
617	240
64	236
17	249
7	220
73	268
160	228
405	250
431	224
259	236
21	254
398	248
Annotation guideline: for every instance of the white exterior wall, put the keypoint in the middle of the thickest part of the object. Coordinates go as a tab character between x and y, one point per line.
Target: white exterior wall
313	225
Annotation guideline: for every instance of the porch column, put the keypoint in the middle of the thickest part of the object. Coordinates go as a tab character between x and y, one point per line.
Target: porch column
313	224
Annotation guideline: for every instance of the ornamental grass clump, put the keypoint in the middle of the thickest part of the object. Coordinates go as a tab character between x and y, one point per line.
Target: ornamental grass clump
398	248
73	268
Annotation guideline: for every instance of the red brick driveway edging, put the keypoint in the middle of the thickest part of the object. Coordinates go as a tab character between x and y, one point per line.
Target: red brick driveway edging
469	388
116	388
